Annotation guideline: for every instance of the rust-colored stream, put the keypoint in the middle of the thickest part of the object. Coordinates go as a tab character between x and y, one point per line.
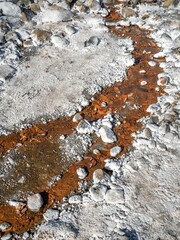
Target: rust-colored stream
36	150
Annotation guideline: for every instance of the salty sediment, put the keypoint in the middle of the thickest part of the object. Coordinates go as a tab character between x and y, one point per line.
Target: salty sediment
135	196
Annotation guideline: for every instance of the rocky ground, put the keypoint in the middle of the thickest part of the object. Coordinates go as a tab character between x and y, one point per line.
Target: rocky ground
43	43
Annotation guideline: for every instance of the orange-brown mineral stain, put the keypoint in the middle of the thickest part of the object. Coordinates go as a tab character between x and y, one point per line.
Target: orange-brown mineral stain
129	100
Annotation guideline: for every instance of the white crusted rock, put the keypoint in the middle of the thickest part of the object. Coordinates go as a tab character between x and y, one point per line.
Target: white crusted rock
98	192
98	175
59	41
11	9
35	202
56	15
84	127
114	196
107	134
115	151
76	199
51	214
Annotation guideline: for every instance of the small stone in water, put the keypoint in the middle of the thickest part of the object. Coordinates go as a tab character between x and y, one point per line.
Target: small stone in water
77	117
103	104
107	135
143	83
82	173
35	202
115	151
5	226
152	63
84	127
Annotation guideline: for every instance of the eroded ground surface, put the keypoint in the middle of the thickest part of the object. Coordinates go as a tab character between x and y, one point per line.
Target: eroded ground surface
33	159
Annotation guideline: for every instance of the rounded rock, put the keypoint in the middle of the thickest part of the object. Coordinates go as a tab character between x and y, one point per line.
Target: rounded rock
98	192
115	151
51	214
5	226
35	202
98	175
82	173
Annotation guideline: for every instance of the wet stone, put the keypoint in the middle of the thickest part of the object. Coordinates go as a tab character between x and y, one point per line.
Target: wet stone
35	202
115	151
82	173
84	127
5	226
107	135
7	237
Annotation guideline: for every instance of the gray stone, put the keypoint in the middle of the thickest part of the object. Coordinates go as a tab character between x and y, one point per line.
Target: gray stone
51	214
93	41
35	202
82	173
115	151
107	135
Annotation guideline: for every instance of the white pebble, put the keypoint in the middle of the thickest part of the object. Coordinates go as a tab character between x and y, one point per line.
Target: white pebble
152	63
115	151
142	71
35	202
107	135
143	83
82	173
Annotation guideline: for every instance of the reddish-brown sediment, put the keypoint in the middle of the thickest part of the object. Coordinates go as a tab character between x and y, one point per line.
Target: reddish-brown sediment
128	99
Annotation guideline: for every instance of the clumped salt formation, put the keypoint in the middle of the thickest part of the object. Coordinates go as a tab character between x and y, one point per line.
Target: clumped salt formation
136	195
75	146
67	55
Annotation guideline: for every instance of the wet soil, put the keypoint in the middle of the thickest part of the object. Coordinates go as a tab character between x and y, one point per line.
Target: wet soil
37	152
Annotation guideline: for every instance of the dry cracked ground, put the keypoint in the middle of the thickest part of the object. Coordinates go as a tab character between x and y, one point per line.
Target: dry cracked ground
89	119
